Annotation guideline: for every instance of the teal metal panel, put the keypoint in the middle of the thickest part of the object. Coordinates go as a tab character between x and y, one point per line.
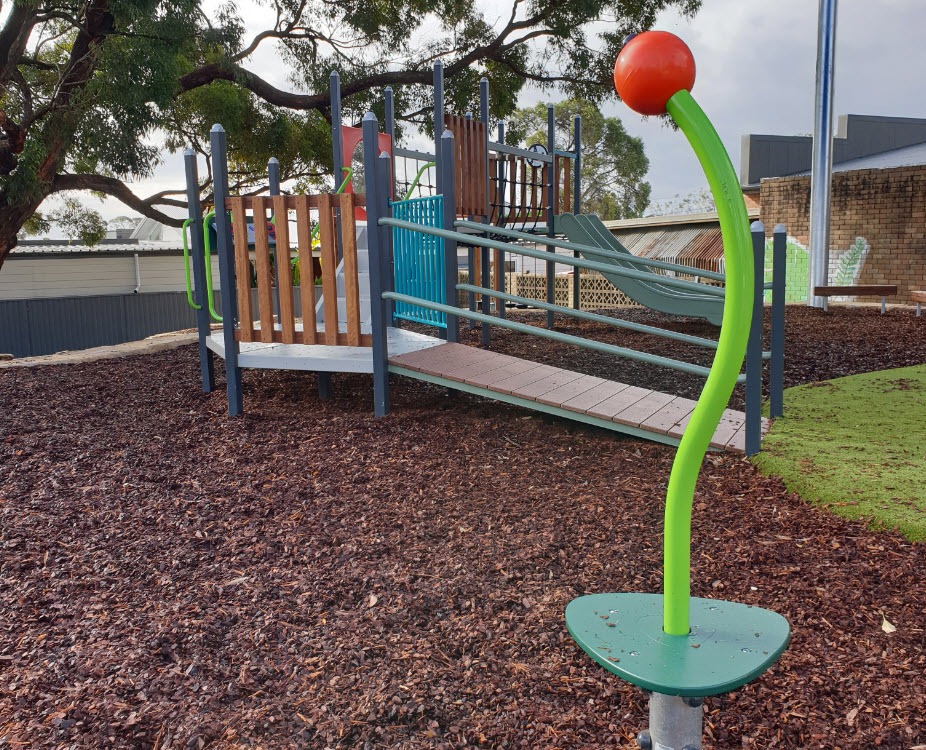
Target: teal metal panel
418	259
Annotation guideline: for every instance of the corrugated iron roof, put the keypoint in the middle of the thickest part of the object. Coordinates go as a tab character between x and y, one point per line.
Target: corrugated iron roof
698	246
122	247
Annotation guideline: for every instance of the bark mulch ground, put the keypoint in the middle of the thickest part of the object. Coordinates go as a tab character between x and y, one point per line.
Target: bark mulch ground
306	576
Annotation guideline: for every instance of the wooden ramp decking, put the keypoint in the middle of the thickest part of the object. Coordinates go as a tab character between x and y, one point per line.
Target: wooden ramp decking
615	406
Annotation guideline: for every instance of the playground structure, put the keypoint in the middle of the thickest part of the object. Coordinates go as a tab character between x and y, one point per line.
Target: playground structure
371	281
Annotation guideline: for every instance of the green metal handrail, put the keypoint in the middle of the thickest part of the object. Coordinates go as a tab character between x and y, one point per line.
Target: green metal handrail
426	165
714	291
207	252
594	317
186	267
593	250
564	338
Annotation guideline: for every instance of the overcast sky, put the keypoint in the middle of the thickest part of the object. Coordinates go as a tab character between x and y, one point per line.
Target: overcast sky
755	74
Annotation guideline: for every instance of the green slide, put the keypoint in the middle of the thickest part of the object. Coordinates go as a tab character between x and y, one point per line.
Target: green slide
588	229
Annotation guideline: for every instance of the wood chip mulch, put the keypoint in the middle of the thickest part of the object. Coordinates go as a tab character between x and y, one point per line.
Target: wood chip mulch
306	576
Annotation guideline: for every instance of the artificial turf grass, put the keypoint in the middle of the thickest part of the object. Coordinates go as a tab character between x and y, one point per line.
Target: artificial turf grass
856	445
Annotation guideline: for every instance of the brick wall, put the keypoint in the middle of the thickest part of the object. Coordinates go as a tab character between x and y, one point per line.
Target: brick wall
885	206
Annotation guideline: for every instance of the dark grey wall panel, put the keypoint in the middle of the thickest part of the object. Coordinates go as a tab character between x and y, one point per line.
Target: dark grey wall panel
34	327
15	335
45	326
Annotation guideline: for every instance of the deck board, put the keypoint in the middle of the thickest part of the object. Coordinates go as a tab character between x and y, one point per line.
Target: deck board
650	411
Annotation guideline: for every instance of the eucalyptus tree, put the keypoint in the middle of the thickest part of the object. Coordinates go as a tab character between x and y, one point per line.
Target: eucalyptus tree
92	92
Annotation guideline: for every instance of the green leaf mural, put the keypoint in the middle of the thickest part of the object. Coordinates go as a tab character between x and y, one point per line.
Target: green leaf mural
850	263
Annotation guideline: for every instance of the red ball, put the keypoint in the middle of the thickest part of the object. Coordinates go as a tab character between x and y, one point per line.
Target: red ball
650	69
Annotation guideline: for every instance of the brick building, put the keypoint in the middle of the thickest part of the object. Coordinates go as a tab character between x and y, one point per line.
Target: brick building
878	203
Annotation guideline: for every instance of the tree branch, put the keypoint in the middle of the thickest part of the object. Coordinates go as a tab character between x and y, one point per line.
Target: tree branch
117	189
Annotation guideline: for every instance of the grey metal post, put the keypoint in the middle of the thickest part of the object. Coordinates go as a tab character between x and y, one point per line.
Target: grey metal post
822	159
334	88
377	206
226	250
500	196
470	264
439	120
675	723
754	346
551	267
776	367
206	357
486	264
273	175
389	100
448	191
577	205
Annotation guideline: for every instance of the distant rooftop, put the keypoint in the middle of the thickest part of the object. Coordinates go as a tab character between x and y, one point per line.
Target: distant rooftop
865	140
105	247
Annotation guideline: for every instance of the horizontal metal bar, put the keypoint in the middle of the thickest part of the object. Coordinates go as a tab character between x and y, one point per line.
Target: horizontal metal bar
503	148
566	154
594	317
563	338
767	285
714	291
599	251
410	154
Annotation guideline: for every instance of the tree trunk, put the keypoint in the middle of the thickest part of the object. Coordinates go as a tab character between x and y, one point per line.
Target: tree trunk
12	218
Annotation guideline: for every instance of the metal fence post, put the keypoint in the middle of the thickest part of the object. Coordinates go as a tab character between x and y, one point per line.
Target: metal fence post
226	251
448	191
206	358
551	266
776	375
754	346
377	207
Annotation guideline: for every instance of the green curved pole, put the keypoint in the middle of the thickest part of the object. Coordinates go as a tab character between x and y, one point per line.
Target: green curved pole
186	267
426	165
210	296
731	348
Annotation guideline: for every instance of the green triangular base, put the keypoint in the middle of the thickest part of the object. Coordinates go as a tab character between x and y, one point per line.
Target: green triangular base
729	644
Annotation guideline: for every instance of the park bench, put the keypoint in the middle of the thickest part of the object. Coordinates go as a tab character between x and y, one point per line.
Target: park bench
919	297
862	290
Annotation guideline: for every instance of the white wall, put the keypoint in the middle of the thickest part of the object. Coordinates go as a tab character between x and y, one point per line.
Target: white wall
32	278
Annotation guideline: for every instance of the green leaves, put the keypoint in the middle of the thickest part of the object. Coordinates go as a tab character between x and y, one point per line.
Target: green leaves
614	164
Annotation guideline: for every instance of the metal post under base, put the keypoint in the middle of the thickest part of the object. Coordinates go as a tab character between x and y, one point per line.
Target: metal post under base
675	723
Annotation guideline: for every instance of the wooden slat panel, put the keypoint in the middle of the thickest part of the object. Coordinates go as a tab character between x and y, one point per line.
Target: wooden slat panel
512	180
351	281
488	379
567	186
292	201
264	271
366	340
242	268
616	404
306	273
329	252
594	396
638	412
544	191
516	382
569	391
669	415
553	381
284	271
557	167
